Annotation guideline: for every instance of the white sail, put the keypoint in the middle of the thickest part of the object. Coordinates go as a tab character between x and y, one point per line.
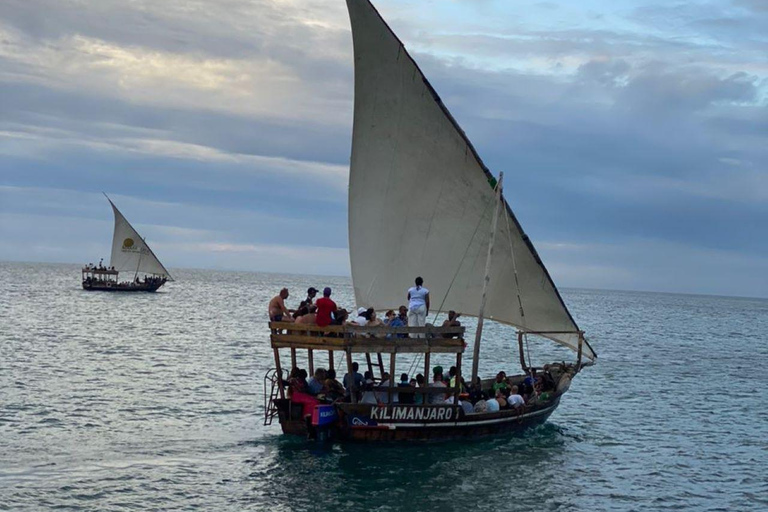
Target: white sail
130	252
421	200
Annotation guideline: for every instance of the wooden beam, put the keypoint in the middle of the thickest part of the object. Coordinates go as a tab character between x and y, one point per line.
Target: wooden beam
458	379
311	361
330	360
352	386
381	364
293	359
392	369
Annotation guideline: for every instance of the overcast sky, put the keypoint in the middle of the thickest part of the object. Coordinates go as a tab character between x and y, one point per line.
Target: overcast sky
633	134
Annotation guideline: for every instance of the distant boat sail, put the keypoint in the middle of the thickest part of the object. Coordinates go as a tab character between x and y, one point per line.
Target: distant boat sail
131	255
421	203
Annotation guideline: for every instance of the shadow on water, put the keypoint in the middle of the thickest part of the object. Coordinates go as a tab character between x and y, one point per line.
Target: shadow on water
293	473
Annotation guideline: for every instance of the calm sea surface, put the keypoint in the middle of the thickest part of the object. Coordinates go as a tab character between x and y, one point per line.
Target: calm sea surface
154	402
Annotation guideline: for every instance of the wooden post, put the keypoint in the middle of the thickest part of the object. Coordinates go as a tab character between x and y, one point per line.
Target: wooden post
381	364
458	379
391	376
426	368
279	372
293	359
368	360
330	360
522	353
311	360
479	332
352	386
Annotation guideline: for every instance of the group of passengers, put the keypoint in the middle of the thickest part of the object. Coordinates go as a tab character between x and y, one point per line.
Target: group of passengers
502	395
91	267
324	311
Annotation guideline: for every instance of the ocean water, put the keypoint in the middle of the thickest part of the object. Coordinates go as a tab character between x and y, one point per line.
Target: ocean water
155	402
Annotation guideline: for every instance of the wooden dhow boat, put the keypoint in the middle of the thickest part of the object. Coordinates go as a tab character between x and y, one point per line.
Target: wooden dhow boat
421	202
131	255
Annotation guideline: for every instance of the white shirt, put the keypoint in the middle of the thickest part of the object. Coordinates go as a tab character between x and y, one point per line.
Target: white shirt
418	297
492	405
515	400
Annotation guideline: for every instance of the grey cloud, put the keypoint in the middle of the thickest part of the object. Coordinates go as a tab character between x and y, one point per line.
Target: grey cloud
659	88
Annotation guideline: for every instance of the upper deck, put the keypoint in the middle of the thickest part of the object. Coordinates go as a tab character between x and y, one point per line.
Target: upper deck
363	339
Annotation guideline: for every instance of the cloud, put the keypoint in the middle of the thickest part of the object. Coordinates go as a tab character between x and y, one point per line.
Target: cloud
224	128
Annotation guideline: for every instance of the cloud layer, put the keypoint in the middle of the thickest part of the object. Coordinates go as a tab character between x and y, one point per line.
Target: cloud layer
634	134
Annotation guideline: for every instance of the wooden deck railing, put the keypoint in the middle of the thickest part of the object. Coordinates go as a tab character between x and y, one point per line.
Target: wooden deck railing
362	339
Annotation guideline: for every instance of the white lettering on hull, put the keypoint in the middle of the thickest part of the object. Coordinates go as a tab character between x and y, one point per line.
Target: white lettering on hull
400	413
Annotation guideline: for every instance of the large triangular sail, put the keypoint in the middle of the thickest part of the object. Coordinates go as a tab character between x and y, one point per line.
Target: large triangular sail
130	252
421	200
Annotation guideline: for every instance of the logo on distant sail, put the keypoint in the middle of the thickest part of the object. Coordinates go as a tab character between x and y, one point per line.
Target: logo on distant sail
128	243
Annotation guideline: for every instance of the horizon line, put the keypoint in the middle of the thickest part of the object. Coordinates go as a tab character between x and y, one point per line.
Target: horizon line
350	277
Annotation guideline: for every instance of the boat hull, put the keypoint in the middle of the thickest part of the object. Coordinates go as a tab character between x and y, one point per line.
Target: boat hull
413	423
111	287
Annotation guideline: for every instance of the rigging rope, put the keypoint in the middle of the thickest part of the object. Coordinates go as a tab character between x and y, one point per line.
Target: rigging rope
417	360
517	285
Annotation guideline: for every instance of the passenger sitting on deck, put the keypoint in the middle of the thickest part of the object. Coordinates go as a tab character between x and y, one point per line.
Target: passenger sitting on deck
362	317
547	381
382	395
325	308
452	377
311	292
369	396
389	316
297	391
303	310
501	397
277	310
527	386
405	393
332	388
492	405
514	399
310	318
452	322
419	397
403	315
340	317
437	397
355	378
501	382
373	321
296	383
315	384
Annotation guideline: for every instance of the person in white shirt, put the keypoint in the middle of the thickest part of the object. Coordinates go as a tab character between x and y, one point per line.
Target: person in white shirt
418	305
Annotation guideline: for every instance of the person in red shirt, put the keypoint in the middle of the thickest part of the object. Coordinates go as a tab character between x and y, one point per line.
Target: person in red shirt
325	306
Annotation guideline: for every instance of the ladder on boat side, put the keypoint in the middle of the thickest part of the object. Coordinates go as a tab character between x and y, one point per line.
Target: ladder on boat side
272	380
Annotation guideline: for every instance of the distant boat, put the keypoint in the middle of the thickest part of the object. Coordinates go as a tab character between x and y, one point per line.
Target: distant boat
422	203
130	255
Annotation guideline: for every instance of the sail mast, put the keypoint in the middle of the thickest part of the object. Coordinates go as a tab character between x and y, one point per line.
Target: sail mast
479	332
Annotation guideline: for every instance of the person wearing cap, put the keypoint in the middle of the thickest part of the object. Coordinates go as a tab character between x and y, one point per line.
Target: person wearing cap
363	316
325	308
311	292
